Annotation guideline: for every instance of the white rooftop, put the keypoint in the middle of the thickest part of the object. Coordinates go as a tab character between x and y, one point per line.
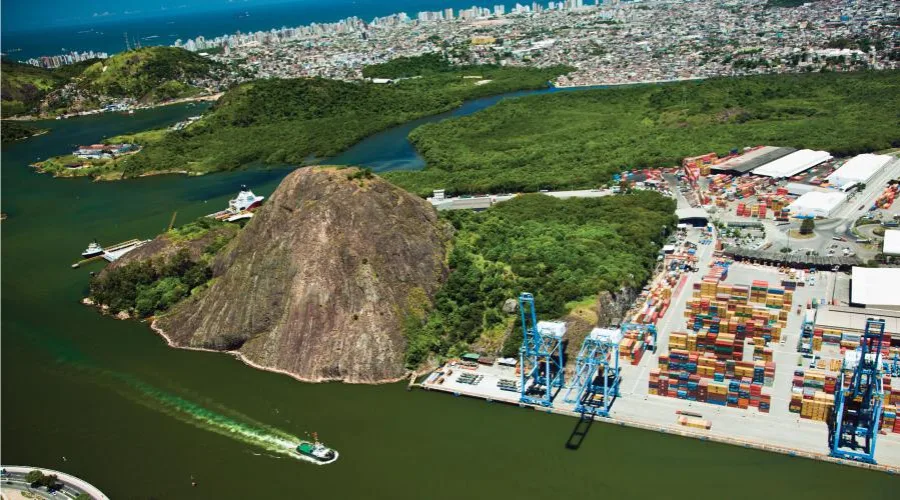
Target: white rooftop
816	203
876	286
860	168
794	163
554	328
891	242
606	335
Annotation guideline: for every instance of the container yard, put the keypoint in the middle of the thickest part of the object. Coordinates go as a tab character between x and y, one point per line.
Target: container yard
711	354
723	350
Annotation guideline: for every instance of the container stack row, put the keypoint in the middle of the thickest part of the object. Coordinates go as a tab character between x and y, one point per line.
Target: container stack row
735	393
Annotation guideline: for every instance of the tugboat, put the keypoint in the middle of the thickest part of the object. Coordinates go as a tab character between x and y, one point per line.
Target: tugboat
317	451
93	250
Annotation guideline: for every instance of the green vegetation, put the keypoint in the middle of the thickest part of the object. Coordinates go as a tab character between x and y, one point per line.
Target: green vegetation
579	139
37	478
142	138
301	120
562	251
22	86
406	67
12	130
149	74
807	226
147	287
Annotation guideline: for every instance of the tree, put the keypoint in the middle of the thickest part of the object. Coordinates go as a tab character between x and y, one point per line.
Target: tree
34	477
807	226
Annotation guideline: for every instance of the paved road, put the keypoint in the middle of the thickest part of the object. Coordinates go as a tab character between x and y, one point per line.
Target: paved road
14	477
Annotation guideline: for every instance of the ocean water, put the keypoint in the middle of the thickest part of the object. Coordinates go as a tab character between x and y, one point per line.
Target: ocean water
108	35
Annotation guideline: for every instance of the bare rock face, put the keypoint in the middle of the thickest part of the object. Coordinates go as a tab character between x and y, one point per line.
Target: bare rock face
321	280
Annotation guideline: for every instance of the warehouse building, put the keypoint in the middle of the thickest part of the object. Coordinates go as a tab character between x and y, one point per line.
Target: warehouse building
817	204
892	244
875	287
797	189
858	169
752	159
853	319
793	164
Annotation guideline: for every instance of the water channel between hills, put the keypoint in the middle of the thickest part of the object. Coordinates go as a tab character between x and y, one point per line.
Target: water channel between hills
138	419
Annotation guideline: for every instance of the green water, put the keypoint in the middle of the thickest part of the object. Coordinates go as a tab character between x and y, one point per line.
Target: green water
139	419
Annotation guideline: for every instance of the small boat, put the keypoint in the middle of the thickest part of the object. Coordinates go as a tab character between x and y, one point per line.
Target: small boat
317	451
93	250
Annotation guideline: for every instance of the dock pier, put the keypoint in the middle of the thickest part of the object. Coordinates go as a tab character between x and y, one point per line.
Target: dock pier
113	252
677	430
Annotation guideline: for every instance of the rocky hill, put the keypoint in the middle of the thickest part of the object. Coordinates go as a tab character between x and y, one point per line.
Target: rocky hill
149	74
322	280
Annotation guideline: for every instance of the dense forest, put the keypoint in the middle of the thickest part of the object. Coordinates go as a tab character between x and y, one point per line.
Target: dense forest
559	250
300	120
12	130
579	139
146	287
407	67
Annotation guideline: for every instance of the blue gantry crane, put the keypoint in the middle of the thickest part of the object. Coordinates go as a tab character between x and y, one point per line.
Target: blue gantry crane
541	355
854	421
597	376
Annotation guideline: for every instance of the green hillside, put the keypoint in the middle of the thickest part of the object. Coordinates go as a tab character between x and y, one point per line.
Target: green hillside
580	139
560	250
149	74
23	86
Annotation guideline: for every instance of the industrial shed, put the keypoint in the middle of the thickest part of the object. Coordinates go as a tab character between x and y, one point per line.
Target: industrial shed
752	159
860	168
791	260
797	189
875	287
793	163
817	204
891	243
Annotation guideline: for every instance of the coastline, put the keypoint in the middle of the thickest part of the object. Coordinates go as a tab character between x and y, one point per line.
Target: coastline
97	111
680	431
240	356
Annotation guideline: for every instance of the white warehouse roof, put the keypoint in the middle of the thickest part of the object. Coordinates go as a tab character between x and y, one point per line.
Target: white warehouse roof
796	188
876	286
860	168
891	242
816	203
793	163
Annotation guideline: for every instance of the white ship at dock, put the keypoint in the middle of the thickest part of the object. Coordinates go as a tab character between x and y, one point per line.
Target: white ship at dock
240	207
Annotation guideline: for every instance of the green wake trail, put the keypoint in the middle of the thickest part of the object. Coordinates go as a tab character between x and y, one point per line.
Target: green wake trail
220	420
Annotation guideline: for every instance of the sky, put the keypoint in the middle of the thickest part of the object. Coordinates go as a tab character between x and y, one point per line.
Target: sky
20	15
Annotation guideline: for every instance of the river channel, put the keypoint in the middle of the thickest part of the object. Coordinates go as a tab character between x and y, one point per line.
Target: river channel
107	401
